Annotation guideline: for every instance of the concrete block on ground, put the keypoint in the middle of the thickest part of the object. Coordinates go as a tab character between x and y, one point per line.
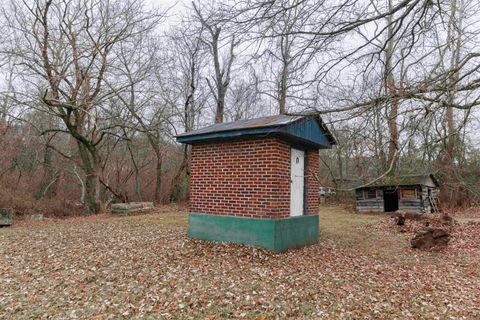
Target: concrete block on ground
36	217
127	208
6	216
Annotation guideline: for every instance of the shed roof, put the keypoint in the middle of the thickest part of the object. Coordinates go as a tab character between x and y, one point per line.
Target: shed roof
303	129
406	180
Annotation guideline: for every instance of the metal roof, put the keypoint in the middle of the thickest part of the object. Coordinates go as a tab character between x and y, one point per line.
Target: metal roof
284	125
405	180
244	124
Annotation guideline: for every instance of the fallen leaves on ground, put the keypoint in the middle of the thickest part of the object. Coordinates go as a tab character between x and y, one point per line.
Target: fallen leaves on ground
465	236
466	212
146	267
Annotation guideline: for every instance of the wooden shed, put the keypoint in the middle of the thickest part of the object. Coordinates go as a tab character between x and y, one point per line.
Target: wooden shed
253	181
416	193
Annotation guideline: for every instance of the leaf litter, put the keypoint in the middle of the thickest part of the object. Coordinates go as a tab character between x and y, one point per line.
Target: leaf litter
145	267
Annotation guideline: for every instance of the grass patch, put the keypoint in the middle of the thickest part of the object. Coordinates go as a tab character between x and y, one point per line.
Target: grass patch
345	228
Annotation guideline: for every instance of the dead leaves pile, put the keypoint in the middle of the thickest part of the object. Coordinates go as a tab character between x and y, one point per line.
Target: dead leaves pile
145	267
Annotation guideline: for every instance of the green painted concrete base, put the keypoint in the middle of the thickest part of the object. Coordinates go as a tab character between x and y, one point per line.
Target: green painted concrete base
274	234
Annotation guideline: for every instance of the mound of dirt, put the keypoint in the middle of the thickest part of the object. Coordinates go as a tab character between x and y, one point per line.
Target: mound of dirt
429	238
463	238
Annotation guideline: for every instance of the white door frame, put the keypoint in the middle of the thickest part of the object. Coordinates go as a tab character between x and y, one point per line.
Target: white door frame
297	182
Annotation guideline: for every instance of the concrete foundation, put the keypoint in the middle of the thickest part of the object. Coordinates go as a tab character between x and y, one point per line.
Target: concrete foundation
274	234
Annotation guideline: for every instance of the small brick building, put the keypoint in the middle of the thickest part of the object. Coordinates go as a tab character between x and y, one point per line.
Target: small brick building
252	181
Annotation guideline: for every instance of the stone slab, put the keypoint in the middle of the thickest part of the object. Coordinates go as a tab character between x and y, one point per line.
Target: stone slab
127	208
6	216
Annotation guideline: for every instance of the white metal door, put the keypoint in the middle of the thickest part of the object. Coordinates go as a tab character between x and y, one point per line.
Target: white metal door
296	182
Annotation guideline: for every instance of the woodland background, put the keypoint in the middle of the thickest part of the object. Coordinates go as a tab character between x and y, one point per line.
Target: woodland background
93	92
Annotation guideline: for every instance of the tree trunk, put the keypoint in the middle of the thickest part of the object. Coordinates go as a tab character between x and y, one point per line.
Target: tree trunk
138	192
220	107
136	171
379	146
340	184
92	191
450	145
283	85
158	176
177	180
454	35
48	185
393	132
92	167
282	98
390	88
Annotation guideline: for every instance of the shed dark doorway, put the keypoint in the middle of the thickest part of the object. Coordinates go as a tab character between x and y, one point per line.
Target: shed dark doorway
390	200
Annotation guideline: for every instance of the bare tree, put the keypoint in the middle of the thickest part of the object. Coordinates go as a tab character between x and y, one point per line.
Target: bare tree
67	47
139	59
222	66
289	54
182	87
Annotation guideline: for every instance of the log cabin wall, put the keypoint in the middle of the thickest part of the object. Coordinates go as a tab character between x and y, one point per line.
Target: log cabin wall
410	199
413	193
369	200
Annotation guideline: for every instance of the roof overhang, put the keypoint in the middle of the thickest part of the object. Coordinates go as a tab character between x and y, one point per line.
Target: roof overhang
304	130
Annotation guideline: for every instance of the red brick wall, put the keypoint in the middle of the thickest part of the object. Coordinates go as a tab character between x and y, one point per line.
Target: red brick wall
244	178
312	183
